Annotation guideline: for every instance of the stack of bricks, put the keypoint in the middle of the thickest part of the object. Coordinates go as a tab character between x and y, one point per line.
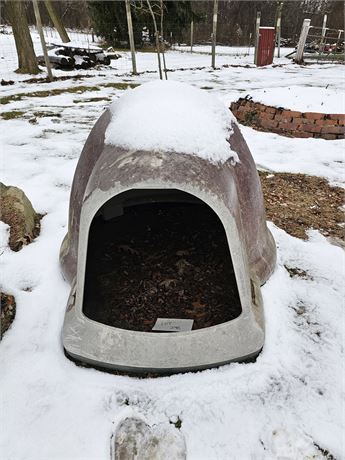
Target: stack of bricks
288	122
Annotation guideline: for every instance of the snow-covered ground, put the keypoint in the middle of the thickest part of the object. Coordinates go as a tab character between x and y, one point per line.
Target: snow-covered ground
303	99
288	405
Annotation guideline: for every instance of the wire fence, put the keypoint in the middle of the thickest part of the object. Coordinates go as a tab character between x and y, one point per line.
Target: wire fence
325	44
86	38
322	44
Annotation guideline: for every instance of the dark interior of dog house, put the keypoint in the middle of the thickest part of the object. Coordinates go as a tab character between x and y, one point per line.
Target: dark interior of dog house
158	254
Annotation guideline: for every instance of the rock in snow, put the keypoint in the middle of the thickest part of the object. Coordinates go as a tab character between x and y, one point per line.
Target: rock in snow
18	213
135	439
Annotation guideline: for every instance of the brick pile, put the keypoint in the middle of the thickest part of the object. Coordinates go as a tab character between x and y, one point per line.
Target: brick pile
288	122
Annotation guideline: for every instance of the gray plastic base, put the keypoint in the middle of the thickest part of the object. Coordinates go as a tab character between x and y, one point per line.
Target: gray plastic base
137	371
108	347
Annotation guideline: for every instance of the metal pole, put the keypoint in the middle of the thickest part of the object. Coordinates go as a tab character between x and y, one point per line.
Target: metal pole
278	26
257	35
214	32
191	35
131	37
43	43
302	40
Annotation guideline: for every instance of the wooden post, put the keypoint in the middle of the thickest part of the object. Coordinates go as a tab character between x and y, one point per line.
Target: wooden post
214	32
43	43
131	36
278	27
191	35
337	42
324	24
302	40
323	34
257	35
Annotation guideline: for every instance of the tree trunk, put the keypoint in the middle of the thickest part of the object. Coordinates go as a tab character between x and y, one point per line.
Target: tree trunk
27	62
58	24
43	43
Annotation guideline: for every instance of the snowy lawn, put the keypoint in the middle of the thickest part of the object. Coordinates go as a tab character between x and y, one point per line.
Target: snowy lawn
289	404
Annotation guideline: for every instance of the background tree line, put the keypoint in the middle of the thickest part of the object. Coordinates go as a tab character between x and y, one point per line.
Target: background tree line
236	19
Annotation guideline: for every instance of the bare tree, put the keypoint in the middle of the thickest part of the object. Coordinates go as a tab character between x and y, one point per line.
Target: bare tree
27	62
156	37
156	10
162	38
58	24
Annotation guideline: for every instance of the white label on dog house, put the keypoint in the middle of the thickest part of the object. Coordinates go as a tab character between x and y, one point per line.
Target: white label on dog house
173	325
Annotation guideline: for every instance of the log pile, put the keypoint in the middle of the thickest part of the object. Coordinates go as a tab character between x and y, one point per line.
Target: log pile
68	56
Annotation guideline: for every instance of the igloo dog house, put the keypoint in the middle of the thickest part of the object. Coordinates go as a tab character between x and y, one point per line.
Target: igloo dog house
175	155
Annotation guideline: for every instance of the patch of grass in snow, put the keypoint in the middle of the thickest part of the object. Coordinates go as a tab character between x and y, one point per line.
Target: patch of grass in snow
46	114
48	92
121	86
73	89
58	91
91	99
19	113
12	114
13	98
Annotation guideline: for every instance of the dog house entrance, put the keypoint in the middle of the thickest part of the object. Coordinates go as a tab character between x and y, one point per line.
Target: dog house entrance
158	254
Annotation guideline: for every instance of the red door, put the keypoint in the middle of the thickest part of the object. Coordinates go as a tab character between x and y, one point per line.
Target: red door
266	46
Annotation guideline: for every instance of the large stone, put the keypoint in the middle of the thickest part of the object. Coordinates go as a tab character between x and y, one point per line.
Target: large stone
136	440
7	312
16	211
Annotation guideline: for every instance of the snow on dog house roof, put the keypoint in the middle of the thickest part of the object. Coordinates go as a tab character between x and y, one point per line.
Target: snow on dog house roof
172	117
166	141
